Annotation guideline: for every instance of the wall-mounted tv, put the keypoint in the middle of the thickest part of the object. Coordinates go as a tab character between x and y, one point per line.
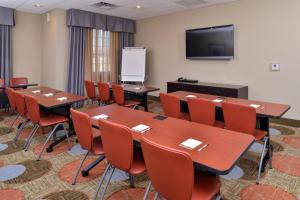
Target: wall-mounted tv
215	43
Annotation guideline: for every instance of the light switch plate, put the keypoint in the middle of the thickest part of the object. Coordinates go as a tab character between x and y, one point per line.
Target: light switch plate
275	67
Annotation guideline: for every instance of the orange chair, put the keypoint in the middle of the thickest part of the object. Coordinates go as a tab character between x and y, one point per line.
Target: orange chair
12	103
104	93
18	81
203	111
242	118
42	121
171	106
88	140
22	111
119	97
91	90
2	84
172	174
119	151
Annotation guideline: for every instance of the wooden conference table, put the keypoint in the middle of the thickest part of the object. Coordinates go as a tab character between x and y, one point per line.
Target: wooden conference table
54	105
224	150
139	90
265	111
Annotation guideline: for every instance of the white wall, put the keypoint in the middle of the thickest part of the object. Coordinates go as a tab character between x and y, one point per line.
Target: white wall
26	46
267	31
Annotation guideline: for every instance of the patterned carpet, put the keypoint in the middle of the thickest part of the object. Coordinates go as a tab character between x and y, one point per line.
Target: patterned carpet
22	177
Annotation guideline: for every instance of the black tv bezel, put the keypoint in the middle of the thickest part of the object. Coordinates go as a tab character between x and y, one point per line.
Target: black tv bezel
210	57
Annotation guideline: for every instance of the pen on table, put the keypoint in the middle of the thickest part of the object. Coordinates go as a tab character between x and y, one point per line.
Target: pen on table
203	147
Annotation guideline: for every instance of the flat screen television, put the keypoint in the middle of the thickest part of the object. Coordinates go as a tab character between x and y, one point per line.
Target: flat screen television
215	43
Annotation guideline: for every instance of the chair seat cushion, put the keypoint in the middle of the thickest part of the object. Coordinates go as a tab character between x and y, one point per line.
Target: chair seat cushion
219	124
205	186
138	163
259	134
50	119
130	103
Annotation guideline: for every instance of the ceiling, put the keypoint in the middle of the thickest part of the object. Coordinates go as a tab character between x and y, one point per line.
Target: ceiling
125	8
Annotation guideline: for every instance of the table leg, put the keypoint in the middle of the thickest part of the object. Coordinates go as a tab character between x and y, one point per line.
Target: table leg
264	125
85	171
145	101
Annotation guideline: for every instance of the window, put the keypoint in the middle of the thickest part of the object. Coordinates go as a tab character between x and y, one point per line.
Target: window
100	51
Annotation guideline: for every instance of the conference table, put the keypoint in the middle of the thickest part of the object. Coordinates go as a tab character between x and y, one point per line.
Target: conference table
265	111
51	102
137	90
224	148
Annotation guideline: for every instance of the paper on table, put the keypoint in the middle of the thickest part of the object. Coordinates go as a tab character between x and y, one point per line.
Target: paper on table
102	116
48	95
191	96
190	143
217	100
36	91
137	88
141	128
62	98
254	105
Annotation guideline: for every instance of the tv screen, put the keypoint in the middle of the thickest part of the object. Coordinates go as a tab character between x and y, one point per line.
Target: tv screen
210	43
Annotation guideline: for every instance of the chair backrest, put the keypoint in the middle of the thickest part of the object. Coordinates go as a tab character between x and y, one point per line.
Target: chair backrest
118	93
18	81
104	92
90	89
83	129
20	103
32	108
2	84
171	171
11	99
202	111
117	144
238	117
171	104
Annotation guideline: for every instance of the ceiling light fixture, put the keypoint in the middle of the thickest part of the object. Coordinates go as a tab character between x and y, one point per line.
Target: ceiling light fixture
38	5
138	7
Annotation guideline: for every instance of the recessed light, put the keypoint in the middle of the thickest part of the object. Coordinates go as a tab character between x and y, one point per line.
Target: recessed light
38	5
138	7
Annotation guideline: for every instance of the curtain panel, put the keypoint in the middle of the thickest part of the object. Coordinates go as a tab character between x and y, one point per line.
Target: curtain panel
76	64
92	20
6	22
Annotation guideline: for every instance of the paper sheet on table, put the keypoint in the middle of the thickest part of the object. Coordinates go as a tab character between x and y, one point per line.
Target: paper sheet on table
254	105
141	128
190	96
102	116
36	91
217	100
48	95
62	98
137	88
190	143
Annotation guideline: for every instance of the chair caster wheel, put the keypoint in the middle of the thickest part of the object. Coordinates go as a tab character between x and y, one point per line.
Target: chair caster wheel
49	149
84	173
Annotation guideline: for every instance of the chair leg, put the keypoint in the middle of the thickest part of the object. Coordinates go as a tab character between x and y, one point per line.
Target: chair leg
78	170
20	130
131	180
147	191
11	125
156	196
135	107
105	188
261	160
48	138
28	141
270	155
101	181
66	132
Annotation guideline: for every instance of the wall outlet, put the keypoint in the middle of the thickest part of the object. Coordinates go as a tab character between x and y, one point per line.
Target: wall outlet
275	67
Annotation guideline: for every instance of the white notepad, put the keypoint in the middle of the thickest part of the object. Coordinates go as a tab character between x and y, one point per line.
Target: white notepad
102	116
141	128
36	91
217	100
62	98
190	143
254	105
137	88
48	95
190	96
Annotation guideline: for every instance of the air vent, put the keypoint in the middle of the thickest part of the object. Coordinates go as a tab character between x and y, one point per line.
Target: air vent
191	3
104	6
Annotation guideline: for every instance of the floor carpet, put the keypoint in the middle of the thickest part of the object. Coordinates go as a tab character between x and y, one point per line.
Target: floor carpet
22	177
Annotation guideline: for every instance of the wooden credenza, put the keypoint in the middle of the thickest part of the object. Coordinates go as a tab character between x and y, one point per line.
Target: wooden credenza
226	90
